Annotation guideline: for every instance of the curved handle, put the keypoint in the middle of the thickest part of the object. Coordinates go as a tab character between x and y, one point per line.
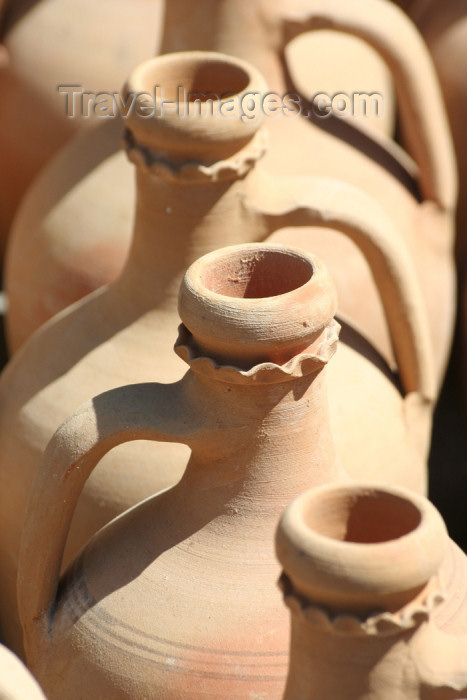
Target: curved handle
393	35
319	201
137	412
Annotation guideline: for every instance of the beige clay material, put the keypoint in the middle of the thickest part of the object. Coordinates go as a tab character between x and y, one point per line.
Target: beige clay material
57	42
444	27
124	333
56	248
16	682
376	592
159	603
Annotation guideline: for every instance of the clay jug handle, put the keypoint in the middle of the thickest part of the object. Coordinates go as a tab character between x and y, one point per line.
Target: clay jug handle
137	412
393	35
318	201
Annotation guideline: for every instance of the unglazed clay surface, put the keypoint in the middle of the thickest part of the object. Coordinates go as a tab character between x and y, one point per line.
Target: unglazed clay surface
51	262
51	43
376	592
158	604
16	682
124	333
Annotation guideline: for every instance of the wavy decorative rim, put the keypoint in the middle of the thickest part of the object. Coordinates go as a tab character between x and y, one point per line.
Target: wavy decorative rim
231	168
311	360
376	624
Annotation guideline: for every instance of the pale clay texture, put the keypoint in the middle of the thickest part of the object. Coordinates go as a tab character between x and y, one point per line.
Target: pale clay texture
61	42
16	682
124	621
60	250
367	581
124	333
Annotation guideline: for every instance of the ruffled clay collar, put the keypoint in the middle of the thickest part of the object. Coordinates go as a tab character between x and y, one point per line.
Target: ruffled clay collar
160	165
306	362
377	623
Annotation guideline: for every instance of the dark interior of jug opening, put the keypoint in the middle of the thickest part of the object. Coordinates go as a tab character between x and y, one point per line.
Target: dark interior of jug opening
197	80
258	274
366	516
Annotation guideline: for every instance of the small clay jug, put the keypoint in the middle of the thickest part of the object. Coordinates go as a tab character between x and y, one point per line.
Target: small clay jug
201	183
376	592
50	263
16	683
52	43
176	597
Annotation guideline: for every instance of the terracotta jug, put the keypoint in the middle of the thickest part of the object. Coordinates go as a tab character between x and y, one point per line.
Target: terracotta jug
425	221
16	683
123	333
444	28
60	42
159	603
50	262
376	591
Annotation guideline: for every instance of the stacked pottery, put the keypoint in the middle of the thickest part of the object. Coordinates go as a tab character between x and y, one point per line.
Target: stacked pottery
444	28
53	43
176	598
376	592
16	683
200	182
50	262
123	622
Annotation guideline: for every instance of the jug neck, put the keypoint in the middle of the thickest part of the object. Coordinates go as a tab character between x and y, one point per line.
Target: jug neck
324	649
269	437
194	164
257	329
249	29
178	221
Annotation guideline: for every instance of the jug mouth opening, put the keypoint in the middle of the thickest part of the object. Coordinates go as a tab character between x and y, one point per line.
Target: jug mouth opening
257	274
194	79
363	546
194	107
259	302
368	516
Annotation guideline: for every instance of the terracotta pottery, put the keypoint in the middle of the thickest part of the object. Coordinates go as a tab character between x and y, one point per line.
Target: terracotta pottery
444	28
60	42
159	604
16	683
199	185
376	591
50	262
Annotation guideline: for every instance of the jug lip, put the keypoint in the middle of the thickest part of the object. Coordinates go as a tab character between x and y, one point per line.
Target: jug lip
254	303
189	105
362	546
